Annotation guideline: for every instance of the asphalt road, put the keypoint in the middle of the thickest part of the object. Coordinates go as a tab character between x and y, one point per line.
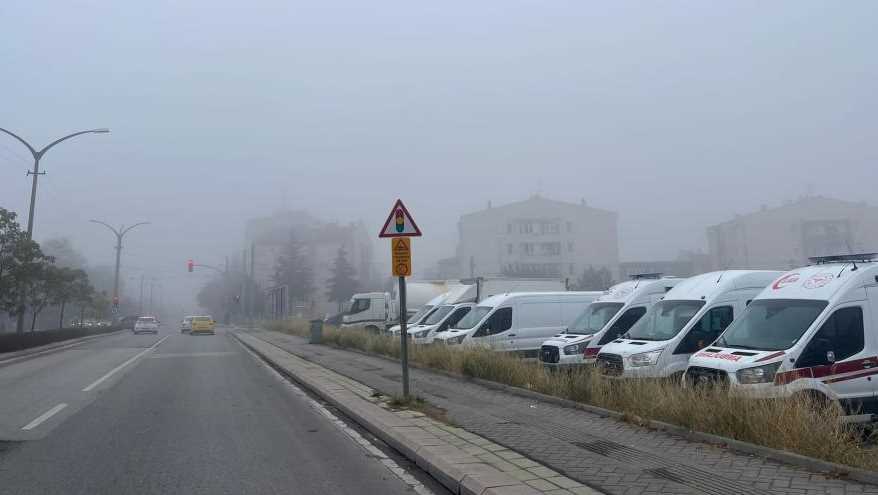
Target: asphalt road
172	414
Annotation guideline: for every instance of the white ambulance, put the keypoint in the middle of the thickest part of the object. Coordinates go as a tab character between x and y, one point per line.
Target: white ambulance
441	319
691	316
813	331
632	298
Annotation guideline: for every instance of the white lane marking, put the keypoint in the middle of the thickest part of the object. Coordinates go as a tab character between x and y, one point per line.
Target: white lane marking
119	368
351	433
43	417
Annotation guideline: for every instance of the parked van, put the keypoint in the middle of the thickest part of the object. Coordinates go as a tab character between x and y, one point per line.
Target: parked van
423	313
691	316
632	298
813	331
440	320
518	322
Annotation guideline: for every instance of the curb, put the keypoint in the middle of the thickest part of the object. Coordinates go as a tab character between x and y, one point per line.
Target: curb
458	471
831	469
51	348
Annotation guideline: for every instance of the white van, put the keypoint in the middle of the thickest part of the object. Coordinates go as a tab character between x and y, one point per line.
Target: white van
518	322
690	316
422	314
440	320
814	331
632	298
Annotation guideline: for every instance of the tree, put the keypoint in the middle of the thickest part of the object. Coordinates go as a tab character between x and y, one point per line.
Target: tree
594	279
294	270
61	249
342	282
44	277
10	237
71	282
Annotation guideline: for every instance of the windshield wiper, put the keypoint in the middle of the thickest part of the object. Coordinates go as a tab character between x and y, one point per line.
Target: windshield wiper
740	346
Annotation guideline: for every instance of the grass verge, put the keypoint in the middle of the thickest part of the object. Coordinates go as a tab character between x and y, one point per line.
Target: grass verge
792	425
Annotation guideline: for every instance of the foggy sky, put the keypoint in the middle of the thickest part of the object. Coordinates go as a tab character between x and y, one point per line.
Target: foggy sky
675	114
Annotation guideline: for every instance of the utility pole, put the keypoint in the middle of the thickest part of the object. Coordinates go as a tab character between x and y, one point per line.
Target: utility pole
38	155
120	233
140	312
251	281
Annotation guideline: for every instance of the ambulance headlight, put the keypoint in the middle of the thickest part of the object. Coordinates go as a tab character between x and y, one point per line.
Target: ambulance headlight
645	358
575	348
758	374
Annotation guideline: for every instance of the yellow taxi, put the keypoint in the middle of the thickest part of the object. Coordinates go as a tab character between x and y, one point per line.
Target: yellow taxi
202	324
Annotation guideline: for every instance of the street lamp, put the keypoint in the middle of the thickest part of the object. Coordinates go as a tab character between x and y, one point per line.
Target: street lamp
120	233
38	154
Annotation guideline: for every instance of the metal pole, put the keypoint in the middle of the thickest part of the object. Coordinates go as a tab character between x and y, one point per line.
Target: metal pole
403	335
118	259
251	280
151	284
141	295
33	197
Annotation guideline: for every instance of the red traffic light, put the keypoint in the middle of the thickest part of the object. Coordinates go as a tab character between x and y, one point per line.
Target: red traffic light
115	301
191	265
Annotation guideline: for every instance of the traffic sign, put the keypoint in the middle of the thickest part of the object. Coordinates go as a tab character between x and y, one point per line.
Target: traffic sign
400	223
401	254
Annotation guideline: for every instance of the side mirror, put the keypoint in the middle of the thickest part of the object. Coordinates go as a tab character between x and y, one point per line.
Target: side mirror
830	356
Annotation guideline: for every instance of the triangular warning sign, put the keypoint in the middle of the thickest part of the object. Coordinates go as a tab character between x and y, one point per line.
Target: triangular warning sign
400	223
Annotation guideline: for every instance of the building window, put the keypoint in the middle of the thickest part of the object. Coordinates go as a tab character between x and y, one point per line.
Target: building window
572	269
526	228
509	249
549	228
569	246
550	248
508	228
527	248
569	227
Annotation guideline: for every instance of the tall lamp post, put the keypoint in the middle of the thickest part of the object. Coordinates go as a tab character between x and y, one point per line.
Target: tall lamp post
120	233
38	155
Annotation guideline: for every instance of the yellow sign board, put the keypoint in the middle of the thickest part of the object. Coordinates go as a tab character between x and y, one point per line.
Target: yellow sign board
401	253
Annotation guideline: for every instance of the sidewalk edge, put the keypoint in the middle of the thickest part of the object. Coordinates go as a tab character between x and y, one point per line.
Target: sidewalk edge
51	348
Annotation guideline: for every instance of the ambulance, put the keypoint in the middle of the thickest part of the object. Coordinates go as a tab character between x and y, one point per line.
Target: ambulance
632	298
690	316
812	332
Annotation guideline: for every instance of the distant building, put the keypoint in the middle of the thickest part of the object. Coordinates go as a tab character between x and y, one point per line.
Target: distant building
686	265
321	241
537	237
786	236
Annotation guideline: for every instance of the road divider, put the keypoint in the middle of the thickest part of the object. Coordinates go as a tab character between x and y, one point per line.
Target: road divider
42	418
122	366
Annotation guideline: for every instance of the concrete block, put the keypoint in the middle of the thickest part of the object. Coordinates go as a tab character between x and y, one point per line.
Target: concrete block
476	484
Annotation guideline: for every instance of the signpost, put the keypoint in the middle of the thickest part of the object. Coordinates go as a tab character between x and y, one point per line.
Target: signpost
400	227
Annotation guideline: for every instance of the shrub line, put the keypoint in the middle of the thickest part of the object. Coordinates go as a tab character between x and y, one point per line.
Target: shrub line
811	463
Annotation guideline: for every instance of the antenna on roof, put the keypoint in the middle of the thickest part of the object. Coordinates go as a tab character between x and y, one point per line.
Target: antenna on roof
641	276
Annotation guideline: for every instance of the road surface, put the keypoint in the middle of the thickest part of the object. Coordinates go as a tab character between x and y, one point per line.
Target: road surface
175	413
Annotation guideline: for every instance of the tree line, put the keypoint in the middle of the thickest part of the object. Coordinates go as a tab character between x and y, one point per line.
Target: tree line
31	281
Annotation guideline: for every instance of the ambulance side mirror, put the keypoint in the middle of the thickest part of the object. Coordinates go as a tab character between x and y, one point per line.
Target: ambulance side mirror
830	356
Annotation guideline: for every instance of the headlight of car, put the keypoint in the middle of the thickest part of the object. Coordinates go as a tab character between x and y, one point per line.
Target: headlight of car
758	374
645	358
457	339
421	334
575	348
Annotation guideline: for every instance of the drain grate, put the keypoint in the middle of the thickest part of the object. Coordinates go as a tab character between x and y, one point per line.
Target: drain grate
703	481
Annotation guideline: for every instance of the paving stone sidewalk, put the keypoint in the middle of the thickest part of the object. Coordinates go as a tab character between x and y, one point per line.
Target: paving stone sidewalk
462	452
604	453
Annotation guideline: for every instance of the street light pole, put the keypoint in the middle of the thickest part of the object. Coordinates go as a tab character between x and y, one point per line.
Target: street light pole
38	154
120	233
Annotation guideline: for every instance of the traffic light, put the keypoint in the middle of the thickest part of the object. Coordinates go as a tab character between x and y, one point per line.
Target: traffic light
115	301
191	265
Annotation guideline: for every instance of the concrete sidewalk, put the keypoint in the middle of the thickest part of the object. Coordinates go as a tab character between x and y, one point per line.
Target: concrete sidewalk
607	454
465	463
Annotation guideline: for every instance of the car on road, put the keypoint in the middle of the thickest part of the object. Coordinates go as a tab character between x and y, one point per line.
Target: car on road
146	324
127	322
186	324
202	324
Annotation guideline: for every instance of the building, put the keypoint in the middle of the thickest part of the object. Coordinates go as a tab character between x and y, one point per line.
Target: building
537	237
786	236
688	263
321	241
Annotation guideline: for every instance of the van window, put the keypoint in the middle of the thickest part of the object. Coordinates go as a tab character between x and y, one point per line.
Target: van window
595	316
498	322
421	314
359	305
472	318
708	328
771	324
454	318
664	320
623	324
842	334
570	310
539	314
436	316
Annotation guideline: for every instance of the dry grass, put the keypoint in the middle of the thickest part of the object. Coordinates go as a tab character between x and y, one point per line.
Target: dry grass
791	425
